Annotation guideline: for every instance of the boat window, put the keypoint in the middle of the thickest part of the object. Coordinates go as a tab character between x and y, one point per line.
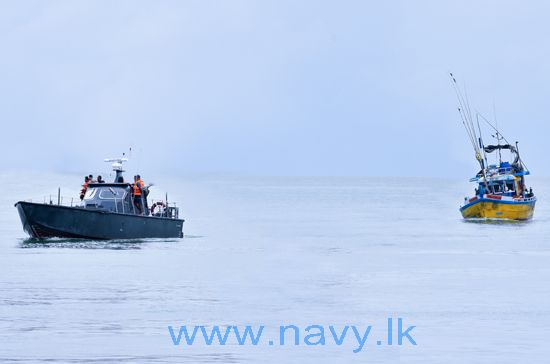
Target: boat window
109	193
90	193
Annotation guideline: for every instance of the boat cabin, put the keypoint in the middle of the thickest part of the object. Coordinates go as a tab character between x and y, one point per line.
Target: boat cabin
113	197
502	182
504	187
118	198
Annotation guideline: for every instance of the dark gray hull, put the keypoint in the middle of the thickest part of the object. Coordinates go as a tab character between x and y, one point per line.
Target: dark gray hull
44	221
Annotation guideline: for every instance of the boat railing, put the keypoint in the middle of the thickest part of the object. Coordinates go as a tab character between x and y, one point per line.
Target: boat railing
66	201
170	210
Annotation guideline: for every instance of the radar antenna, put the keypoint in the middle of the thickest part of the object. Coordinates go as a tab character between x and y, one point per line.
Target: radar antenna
117	166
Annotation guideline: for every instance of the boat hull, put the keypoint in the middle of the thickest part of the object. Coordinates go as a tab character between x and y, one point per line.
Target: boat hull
486	208
45	221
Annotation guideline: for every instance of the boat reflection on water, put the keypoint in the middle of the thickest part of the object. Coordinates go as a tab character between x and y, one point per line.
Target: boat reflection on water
122	244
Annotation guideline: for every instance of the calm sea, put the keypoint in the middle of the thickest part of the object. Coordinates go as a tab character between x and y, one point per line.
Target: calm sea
281	251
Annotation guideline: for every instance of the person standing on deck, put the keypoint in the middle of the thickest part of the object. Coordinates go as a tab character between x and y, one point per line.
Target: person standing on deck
84	187
138	192
144	193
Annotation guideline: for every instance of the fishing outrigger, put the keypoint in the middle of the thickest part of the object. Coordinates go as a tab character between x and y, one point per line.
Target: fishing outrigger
107	211
501	192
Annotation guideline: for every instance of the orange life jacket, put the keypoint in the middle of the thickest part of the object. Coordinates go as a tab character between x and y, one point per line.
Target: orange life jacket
84	188
137	189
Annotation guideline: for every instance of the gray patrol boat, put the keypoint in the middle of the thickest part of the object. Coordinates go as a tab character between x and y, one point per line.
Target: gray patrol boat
106	212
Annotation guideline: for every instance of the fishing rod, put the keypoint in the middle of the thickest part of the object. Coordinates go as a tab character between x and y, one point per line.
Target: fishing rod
467	121
481	144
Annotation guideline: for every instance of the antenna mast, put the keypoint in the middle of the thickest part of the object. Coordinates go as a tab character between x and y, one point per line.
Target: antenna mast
117	165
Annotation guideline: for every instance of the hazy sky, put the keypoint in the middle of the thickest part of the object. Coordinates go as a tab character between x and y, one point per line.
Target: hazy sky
268	87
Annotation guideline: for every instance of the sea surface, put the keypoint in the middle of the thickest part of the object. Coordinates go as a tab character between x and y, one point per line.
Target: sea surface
281	251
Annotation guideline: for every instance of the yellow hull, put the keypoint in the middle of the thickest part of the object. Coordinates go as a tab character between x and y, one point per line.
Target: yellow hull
498	210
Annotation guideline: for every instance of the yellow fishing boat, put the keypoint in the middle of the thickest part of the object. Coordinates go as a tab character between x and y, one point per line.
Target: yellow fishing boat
501	196
501	191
